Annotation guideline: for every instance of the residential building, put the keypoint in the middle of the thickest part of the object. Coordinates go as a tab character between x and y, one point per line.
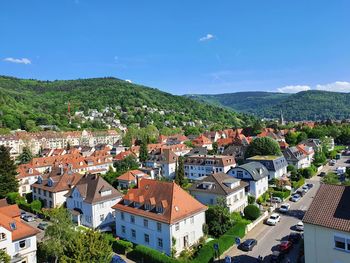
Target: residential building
90	202
255	174
51	188
314	143
276	165
157	212
17	238
198	166
26	176
301	156
166	160
202	141
327	226
130	178
221	186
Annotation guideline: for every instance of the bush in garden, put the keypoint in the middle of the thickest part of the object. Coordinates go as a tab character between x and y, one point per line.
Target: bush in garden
252	212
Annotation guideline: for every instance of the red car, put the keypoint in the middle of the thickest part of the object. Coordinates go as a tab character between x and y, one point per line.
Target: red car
285	246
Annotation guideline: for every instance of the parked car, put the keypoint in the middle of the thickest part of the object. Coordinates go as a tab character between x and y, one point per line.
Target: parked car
305	188
309	185
276	257
295	198
228	259
299	226
273	219
322	174
285	246
284	208
117	259
332	162
248	245
23	214
28	218
43	225
294	237
276	199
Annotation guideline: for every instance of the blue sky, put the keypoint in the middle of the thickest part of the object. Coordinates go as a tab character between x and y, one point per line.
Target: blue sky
181	46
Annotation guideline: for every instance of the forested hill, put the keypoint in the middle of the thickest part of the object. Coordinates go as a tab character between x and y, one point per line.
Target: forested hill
305	105
26	104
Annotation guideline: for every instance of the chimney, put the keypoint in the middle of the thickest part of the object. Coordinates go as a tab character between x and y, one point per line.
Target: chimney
61	169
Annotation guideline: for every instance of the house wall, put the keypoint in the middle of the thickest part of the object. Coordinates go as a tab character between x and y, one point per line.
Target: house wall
25	183
168	170
197	172
319	245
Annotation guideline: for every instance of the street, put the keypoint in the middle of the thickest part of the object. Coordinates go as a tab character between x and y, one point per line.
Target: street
269	237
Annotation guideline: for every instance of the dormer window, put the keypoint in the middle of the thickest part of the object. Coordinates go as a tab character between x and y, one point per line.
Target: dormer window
30	171
50	182
40	179
159	209
107	192
13	226
147	207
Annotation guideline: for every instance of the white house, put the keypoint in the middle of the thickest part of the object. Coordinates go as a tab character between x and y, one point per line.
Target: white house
253	173
130	178
165	160
198	166
220	185
301	156
17	238
51	188
156	212
276	165
327	226
27	175
90	202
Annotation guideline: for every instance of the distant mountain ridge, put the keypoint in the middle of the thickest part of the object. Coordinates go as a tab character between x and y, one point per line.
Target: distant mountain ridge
304	105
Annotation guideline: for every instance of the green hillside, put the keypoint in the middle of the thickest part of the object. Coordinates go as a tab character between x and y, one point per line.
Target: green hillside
305	105
26	104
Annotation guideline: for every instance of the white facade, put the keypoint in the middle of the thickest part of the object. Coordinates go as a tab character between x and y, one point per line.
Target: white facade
236	201
256	187
320	245
93	215
25	183
22	250
278	173
197	172
159	235
50	199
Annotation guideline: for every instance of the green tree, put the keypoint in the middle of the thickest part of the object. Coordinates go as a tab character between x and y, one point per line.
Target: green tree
26	156
12	197
320	158
8	172
30	126
36	205
129	163
180	172
252	212
4	257
331	178
291	138
263	146
87	246
218	219
143	151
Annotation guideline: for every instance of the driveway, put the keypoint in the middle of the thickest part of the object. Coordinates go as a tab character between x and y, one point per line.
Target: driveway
35	224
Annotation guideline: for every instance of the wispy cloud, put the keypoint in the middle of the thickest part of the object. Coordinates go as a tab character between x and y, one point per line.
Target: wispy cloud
337	86
294	88
25	61
207	38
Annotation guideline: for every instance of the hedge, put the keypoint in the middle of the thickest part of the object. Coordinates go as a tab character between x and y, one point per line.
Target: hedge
251	212
147	254
206	253
299	183
121	246
281	194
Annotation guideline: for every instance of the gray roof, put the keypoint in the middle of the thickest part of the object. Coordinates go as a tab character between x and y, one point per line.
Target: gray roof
198	150
219	183
293	154
272	164
90	187
255	169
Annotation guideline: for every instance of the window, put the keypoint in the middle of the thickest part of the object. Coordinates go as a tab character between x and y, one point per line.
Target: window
339	242
102	217
192	220
239	174
133	233
177	226
132	219
50	194
159	227
145	222
123	229
2	236
146	238
34	189
160	242
88	218
22	244
122	215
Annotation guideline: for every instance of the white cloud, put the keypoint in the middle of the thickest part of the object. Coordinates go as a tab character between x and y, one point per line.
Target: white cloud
25	61
207	37
338	86
294	88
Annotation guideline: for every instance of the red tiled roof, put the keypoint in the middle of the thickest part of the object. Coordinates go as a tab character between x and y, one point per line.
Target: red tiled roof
131	175
177	204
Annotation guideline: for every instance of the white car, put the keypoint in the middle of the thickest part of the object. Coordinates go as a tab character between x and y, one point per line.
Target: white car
273	219
299	226
305	188
295	198
284	208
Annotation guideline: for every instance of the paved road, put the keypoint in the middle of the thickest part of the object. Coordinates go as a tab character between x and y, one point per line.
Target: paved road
35	224
270	236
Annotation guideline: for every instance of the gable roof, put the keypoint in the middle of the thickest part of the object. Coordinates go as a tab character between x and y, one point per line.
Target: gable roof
219	183
10	215
177	204
255	169
131	175
91	186
271	162
330	210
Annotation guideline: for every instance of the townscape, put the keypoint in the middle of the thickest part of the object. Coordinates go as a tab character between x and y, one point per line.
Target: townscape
174	131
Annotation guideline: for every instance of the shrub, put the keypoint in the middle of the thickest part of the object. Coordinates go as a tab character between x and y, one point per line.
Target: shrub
291	168
281	194
36	205
251	199
150	255
12	197
121	246
299	183
251	212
